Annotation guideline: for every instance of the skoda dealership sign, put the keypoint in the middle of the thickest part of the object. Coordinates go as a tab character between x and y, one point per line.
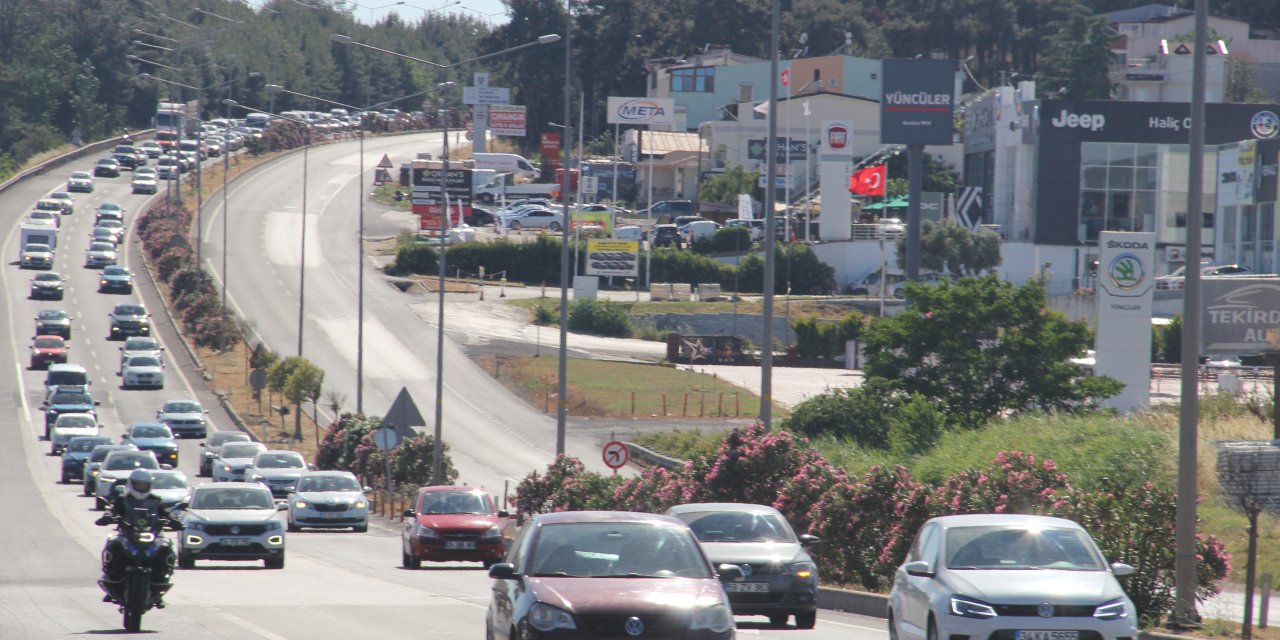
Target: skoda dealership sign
1123	338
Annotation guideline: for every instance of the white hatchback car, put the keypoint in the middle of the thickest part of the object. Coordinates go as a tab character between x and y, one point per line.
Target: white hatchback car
1018	577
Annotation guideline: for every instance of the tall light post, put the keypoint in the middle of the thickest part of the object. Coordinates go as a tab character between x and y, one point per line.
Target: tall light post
562	364
770	262
437	470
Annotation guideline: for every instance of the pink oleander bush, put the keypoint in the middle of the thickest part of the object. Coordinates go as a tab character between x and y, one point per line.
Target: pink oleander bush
867	524
348	445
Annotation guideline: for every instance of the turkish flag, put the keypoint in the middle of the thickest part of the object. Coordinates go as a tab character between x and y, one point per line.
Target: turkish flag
869	181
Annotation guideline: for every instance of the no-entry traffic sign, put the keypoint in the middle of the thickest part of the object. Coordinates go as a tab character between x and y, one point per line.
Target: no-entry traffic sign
616	454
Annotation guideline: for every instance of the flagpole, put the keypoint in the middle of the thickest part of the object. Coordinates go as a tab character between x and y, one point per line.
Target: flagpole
808	173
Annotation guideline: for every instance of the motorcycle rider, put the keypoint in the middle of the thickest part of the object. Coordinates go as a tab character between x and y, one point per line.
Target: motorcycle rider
137	495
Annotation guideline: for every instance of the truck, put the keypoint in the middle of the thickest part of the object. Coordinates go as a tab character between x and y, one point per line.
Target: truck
503	186
174	121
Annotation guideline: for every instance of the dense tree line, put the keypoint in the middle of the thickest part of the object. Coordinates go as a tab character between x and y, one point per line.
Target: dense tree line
64	67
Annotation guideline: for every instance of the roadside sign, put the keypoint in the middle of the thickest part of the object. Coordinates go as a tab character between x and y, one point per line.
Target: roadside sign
616	455
508	120
486	95
613	258
403	414
381	176
786	77
385	163
386	438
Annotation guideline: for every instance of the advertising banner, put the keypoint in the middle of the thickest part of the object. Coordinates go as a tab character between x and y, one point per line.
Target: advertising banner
486	95
427	184
507	120
917	105
602	218
661	111
613	258
783	151
549	148
1126	280
1241	315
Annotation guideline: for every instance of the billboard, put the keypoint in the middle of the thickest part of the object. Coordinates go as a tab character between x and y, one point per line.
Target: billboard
1241	315
917	104
486	95
642	111
1126	279
507	120
613	258
784	150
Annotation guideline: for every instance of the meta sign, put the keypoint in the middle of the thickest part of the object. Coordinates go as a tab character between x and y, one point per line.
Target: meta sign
642	111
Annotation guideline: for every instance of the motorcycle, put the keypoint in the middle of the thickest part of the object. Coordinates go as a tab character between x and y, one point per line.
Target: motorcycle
138	552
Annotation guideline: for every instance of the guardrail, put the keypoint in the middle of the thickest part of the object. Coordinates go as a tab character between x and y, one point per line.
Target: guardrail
91	148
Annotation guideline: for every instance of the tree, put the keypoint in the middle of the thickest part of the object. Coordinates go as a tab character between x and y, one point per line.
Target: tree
982	347
1242	73
1246	473
726	187
303	385
1077	62
938	176
955	249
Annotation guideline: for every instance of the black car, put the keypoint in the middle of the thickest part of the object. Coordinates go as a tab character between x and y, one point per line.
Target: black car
125	160
107	167
53	322
478	217
47	285
667	235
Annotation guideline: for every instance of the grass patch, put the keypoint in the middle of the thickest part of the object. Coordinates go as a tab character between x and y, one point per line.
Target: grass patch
606	389
683	444
46	155
385	194
799	307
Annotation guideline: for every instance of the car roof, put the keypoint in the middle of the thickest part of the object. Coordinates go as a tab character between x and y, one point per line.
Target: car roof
605	516
147	424
332	473
1004	519
230	486
719	507
450	487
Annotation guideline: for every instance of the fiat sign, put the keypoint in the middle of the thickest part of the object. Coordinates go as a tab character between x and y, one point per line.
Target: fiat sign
837	136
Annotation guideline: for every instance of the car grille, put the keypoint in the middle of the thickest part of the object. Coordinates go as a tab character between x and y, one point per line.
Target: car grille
739	597
763	569
1010	634
244	529
330	508
614	626
128	324
1032	610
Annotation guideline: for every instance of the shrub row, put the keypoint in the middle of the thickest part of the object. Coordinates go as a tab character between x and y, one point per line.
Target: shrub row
348	445
195	300
868	523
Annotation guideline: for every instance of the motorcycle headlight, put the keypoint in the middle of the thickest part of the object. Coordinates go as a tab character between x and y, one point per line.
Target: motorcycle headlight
715	619
545	618
492	534
803	570
967	608
1114	610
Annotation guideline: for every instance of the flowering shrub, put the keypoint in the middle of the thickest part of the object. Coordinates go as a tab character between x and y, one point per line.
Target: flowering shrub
348	445
566	486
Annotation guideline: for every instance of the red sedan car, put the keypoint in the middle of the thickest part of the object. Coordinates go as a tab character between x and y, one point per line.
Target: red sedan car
450	524
47	350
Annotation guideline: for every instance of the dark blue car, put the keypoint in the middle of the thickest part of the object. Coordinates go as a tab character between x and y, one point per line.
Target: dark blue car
75	455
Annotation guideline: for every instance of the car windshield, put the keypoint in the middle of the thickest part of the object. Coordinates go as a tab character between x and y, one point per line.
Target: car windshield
82	445
50	343
455	502
144	361
37	248
75	422
116	463
101	452
616	550
49	277
101	246
241	450
232	498
280	461
71	398
181	407
737	526
81	175
109	224
52	314
219	438
129	310
115	271
108	206
151	431
168	481
1021	547
327	483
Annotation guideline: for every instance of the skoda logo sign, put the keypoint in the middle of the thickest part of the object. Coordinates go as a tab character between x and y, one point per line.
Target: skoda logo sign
1126	271
1045	610
633	626
1265	124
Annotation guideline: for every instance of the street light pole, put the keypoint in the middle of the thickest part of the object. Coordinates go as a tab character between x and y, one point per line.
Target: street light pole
562	366
770	145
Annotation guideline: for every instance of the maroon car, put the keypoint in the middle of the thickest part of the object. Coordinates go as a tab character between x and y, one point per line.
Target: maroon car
47	350
450	524
608	574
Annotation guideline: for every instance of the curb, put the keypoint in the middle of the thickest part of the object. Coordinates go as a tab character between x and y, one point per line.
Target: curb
74	154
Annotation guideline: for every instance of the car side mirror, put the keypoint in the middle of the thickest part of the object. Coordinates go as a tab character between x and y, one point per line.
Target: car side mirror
919	568
503	571
503	513
97	403
311	467
1121	570
366	489
807	540
730	573
282	506
203	445
408	513
167	467
118	374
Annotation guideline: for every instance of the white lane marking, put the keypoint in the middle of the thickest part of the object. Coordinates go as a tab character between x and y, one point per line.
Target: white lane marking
856	626
26	409
249	626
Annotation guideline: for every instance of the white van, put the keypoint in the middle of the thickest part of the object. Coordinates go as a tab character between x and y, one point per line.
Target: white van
65	374
506	163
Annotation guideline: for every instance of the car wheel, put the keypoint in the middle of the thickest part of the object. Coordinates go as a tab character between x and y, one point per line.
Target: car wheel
778	619
514	225
293	528
186	560
554	226
274	563
85	491
893	627
364	528
65	479
933	630
408	561
806	619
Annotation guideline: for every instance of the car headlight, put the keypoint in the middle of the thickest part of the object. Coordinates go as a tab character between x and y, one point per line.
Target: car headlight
226	467
966	608
715	619
102	283
427	532
193	525
274	525
360	504
1114	610
299	504
493	533
803	570
545	617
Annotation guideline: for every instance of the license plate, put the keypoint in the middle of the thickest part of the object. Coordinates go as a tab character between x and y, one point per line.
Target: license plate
749	587
236	542
1047	635
331	515
459	544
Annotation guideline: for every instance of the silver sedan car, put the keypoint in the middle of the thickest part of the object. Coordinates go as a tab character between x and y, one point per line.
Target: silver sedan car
329	500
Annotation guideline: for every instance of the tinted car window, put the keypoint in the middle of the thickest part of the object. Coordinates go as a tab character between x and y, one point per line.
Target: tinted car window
279	461
616	549
131	462
237	450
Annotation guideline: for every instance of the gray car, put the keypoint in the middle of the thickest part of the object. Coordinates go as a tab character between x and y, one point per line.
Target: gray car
212	447
93	465
327	500
186	418
117	466
781	579
234	459
277	470
232	522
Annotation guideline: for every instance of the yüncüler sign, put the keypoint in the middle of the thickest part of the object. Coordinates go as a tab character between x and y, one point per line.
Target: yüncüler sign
917	104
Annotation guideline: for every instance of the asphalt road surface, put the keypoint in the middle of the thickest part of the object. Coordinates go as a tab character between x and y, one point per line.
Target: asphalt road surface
336	585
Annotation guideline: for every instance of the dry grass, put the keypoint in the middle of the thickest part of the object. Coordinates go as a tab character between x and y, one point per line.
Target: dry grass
796	307
47	155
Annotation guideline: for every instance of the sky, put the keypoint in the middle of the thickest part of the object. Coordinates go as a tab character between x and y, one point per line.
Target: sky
369	11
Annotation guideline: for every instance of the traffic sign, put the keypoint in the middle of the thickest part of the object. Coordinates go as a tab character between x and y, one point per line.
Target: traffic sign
403	414
385	163
386	438
616	455
786	77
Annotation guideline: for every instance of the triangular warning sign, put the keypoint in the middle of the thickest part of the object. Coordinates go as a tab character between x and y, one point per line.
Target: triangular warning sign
1210	50
1182	50
381	177
404	415
385	163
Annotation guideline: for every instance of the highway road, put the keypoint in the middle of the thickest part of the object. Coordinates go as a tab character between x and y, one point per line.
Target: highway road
336	585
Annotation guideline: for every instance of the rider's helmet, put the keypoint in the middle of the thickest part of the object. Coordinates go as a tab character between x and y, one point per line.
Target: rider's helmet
140	483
